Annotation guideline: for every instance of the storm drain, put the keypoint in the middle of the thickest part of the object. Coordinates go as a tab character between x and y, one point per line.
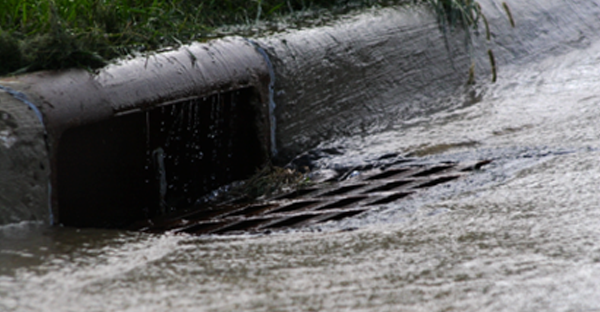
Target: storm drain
315	204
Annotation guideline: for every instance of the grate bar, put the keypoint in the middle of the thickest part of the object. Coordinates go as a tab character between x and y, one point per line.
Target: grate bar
318	203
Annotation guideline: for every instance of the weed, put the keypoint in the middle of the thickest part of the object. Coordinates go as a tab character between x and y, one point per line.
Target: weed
466	14
11	61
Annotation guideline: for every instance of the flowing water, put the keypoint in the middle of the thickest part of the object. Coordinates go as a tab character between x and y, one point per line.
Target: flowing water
520	235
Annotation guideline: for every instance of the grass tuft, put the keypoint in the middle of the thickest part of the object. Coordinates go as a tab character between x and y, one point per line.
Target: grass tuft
55	34
11	61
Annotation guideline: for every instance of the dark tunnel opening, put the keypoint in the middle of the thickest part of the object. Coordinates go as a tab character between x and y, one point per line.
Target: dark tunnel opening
144	164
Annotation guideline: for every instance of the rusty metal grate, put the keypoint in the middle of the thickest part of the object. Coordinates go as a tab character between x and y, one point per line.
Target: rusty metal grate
315	204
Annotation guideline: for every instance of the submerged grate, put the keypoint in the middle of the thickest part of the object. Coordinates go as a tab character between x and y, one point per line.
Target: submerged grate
315	204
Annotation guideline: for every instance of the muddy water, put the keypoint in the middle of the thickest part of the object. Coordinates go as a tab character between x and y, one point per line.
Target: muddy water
521	235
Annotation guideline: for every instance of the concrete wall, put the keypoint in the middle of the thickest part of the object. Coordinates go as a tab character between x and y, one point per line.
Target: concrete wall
363	74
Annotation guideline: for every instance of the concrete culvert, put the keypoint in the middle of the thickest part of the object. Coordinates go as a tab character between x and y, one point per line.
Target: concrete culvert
152	134
138	139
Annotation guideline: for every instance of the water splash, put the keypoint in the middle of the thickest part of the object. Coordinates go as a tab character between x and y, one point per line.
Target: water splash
195	146
272	105
158	157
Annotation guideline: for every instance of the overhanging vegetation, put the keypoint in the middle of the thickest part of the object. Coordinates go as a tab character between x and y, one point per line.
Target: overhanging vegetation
55	34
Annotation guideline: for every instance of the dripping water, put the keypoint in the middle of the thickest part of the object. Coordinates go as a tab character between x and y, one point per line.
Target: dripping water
272	106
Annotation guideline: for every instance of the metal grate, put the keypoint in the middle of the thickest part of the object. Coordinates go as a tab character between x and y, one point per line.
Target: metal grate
317	203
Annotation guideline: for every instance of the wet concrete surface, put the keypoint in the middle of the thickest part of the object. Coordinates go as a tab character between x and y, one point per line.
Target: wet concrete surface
24	165
364	74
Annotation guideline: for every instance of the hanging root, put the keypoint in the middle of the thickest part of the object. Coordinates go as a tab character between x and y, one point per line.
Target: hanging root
471	74
467	13
488	35
509	14
493	63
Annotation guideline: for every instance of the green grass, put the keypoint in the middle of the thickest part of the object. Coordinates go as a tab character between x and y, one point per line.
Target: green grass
55	34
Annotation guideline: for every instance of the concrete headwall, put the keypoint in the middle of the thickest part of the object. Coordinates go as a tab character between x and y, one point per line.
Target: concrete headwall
110	153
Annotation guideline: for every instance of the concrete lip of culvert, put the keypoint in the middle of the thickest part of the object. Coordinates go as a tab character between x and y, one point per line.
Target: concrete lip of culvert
153	134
